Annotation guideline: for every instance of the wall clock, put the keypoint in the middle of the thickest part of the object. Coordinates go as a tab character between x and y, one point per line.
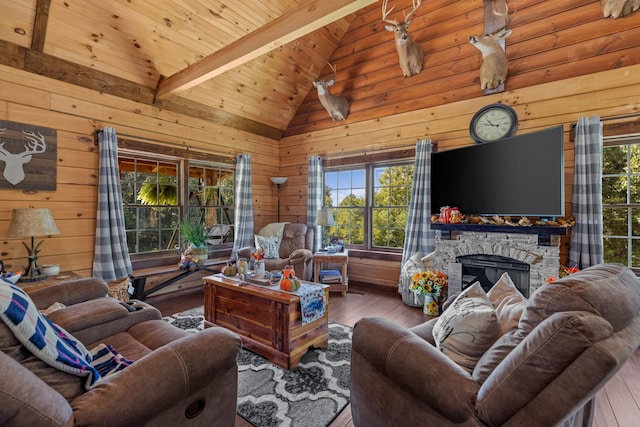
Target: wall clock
493	122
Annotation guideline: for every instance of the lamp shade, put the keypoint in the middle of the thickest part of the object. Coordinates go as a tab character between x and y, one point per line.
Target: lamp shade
279	179
324	217
28	222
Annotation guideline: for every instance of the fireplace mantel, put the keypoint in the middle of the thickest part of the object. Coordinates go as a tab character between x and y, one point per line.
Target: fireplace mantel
544	232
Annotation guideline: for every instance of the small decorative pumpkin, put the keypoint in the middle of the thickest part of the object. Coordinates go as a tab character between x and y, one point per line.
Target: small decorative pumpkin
290	285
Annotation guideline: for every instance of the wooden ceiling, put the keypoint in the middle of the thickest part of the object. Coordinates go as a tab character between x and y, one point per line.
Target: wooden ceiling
241	63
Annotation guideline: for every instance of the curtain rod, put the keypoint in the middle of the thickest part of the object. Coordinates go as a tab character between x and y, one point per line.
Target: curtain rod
371	151
145	139
628	116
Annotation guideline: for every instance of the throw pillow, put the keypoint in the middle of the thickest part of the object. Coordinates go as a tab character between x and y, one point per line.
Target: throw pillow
413	265
508	302
271	246
467	328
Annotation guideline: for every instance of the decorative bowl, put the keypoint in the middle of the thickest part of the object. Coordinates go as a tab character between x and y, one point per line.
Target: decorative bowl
51	269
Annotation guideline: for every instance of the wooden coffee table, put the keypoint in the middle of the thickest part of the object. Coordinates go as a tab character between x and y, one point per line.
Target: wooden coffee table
269	321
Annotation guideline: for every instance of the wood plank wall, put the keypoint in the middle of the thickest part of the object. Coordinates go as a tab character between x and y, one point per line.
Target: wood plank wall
75	113
565	61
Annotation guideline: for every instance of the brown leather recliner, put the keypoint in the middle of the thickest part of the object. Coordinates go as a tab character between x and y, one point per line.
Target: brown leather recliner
177	378
296	248
572	337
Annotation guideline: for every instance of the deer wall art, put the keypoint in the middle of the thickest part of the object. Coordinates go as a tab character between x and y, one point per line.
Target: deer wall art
618	8
495	66
336	105
14	163
410	54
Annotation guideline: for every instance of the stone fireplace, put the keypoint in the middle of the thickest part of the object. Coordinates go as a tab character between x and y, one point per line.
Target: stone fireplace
531	255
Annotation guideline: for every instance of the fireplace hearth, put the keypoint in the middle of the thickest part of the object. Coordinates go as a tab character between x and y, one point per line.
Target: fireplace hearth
487	269
493	253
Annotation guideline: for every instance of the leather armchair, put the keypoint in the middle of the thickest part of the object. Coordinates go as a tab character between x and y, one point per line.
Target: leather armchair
177	378
296	248
572	337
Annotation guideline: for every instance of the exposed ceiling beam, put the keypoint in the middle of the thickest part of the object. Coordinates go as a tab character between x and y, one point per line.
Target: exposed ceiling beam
40	25
49	66
307	18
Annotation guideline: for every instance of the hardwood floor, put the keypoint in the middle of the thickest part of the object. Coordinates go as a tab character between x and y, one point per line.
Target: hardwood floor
617	404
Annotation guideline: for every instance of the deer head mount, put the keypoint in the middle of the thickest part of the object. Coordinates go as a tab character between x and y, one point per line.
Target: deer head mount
495	66
618	8
410	54
337	106
14	163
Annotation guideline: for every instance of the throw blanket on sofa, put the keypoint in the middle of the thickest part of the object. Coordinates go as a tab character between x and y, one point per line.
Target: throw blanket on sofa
51	343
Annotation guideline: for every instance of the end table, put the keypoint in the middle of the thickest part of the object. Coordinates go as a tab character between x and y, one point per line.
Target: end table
341	258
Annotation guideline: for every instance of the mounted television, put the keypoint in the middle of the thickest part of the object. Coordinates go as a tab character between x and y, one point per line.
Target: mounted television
518	176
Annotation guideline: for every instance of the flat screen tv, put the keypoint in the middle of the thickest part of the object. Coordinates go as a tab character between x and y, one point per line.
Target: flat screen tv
518	176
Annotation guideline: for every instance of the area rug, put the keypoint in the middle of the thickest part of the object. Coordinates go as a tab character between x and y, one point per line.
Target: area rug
310	395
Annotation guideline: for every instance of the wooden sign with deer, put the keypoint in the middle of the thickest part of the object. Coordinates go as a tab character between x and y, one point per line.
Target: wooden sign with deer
29	154
410	54
495	66
336	105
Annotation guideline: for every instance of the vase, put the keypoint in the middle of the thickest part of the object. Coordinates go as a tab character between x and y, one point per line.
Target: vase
258	269
431	307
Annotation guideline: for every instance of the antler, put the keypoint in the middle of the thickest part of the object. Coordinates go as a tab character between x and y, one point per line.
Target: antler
385	13
37	144
416	5
333	69
507	18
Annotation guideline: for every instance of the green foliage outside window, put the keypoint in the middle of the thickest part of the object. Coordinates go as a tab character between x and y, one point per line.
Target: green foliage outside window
621	203
390	188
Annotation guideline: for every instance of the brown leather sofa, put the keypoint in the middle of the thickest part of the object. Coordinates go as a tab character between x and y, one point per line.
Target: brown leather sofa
177	378
572	337
296	248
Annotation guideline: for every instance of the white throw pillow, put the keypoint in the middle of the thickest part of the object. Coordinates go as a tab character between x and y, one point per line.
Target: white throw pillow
508	302
271	246
413	265
467	328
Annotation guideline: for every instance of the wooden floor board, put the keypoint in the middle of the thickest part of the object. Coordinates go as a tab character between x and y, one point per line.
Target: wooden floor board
617	404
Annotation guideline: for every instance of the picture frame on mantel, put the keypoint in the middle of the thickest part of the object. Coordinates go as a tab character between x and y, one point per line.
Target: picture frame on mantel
28	156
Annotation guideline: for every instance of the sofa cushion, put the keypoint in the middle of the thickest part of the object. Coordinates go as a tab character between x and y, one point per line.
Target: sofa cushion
294	236
467	328
508	302
270	246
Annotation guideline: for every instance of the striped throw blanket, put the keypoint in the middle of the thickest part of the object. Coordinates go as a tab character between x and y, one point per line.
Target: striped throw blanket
51	343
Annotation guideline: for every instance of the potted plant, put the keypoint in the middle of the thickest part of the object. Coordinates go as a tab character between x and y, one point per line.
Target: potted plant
196	233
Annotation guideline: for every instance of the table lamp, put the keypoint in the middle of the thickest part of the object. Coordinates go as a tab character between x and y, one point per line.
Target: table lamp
278	181
324	218
31	222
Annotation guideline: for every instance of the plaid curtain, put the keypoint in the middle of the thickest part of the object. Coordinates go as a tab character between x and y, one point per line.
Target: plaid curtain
586	235
111	256
315	197
244	205
418	234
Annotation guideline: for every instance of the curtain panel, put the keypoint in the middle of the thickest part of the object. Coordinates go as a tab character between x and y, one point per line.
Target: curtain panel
111	255
315	198
586	235
243	205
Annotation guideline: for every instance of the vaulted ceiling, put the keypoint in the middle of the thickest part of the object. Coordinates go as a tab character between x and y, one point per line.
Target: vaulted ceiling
241	63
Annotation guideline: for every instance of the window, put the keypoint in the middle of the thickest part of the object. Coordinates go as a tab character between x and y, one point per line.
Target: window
621	200
370	204
152	193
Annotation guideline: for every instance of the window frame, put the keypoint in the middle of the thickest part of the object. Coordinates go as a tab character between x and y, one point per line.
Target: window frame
183	159
369	162
629	238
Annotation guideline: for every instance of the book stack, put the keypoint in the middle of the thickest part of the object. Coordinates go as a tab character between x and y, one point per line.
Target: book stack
330	276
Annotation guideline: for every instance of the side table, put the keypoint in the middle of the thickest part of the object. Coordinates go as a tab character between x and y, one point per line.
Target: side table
51	280
341	258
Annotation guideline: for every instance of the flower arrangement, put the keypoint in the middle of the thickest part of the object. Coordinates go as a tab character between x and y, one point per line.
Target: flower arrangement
258	255
564	271
428	282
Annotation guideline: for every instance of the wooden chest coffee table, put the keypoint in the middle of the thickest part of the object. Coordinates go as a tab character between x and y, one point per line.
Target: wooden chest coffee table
268	321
